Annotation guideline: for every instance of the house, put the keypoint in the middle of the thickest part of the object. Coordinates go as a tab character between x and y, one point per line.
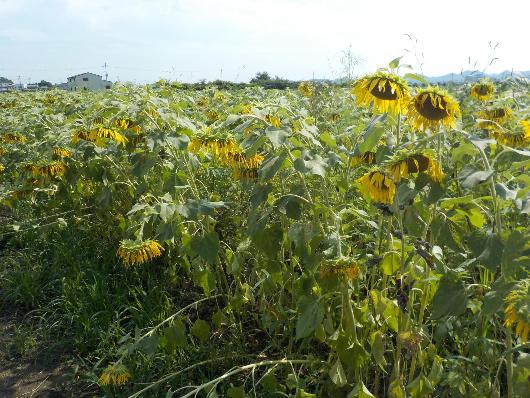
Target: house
87	81
32	86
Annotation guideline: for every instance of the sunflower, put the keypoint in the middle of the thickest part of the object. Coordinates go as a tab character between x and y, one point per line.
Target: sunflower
136	253
127	124
377	186
387	92
51	170
219	96
494	117
306	89
62	152
273	120
98	120
202	102
517	311
12	138
151	112
223	147
483	90
2	168
98	136
344	268
116	374
366	158
212	115
245	168
334	117
519	139
246	109
415	163
433	107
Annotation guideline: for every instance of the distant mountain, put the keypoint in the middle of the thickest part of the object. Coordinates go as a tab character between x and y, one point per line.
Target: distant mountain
471	76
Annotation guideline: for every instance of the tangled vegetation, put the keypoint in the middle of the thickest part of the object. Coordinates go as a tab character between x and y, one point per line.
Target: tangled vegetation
313	242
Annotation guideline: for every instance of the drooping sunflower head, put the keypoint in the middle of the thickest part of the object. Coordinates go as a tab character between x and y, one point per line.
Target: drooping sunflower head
219	96
387	92
274	120
12	138
517	139
345	268
115	374
377	186
60	152
421	162
363	158
51	170
482	90
246	168
493	117
222	146
306	89
431	108
136	253
246	109
517	311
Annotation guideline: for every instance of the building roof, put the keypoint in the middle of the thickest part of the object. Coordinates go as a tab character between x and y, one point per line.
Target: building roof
84	73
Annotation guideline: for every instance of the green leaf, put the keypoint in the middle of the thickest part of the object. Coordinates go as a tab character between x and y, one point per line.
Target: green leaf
301	393
277	136
236	392
494	299
394	63
372	134
271	166
470	178
174	336
310	316
337	374
450	298
360	391
201	330
378	349
413	76
206	246
179	142
516	254
391	263
310	163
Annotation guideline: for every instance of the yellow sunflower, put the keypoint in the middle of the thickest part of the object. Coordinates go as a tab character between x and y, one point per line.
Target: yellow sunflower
12	138
377	186
493	117
306	89
482	90
246	109
519	139
134	253
51	170
517	311
415	163
273	120
387	92
2	168
223	147
245	168
219	96
62	152
127	124
116	374
366	158
431	108
344	268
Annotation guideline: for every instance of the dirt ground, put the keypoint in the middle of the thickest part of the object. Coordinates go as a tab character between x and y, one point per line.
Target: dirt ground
27	375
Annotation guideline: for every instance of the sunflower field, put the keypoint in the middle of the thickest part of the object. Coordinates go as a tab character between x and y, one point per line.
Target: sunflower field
362	241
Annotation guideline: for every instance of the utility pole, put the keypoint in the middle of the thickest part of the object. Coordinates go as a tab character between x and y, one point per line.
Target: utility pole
105	65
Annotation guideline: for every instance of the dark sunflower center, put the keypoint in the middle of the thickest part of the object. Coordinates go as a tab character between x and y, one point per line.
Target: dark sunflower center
483	89
418	163
432	111
498	113
384	92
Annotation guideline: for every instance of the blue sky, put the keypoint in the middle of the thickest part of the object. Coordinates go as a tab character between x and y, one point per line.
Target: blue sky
188	40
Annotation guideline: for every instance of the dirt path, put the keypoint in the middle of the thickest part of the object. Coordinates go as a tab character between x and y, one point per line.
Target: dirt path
27	375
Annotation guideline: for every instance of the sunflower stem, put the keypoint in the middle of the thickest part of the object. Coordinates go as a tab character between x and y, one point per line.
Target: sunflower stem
509	363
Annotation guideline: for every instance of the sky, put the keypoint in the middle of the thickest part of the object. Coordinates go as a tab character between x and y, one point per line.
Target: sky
188	40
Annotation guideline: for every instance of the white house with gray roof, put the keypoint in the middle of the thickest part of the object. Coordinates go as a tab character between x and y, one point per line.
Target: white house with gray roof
87	81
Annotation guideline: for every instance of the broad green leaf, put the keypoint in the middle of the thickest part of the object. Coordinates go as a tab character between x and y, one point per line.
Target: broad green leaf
201	330
310	316
277	136
391	263
206	246
271	166
450	298
337	374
